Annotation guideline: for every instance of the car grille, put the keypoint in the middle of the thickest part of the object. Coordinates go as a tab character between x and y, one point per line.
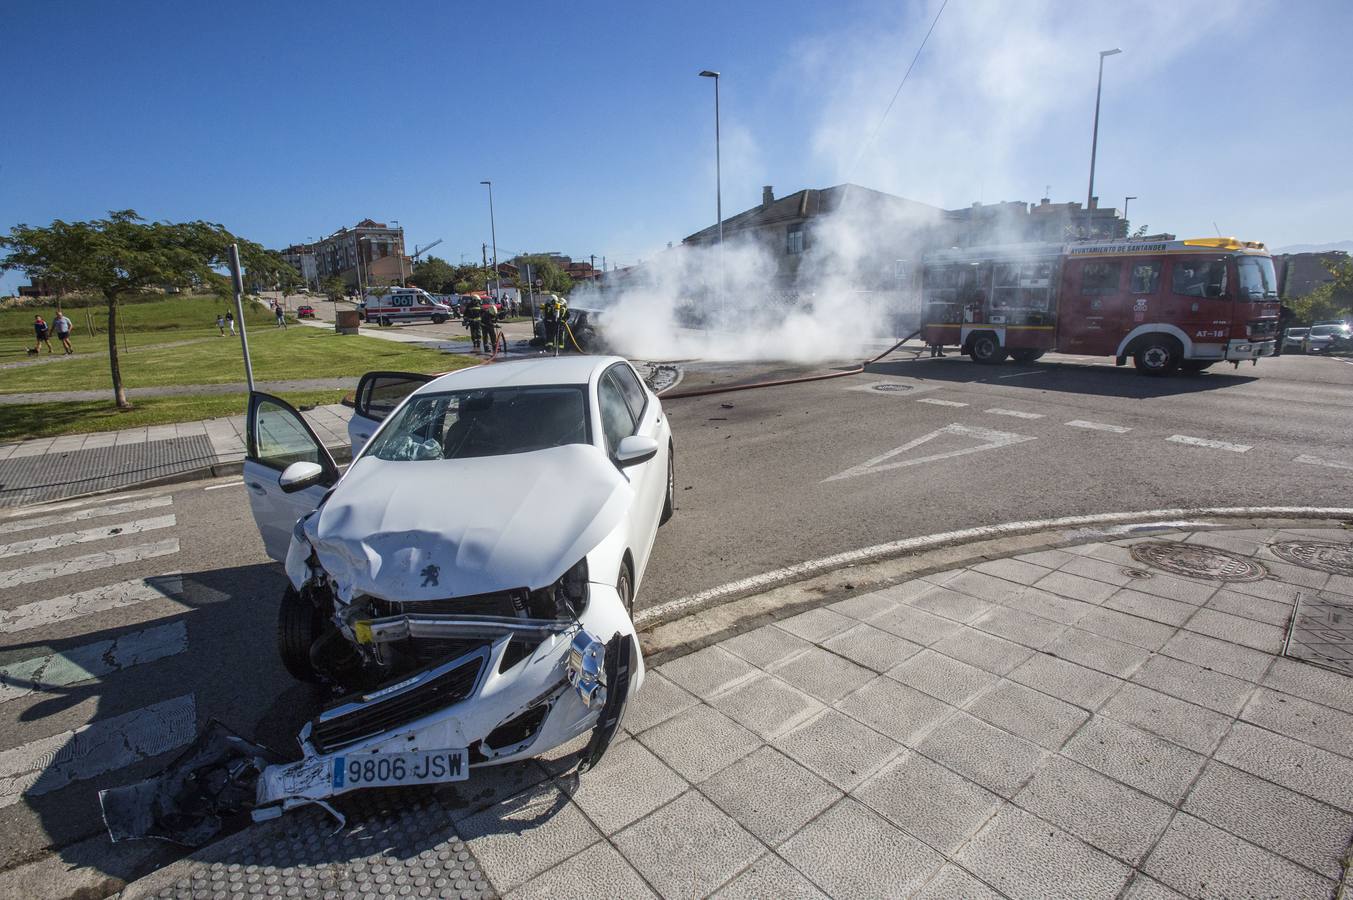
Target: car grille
354	718
502	603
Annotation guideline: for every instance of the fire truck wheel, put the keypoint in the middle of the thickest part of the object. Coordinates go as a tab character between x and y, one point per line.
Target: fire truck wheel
1158	355
1026	356
985	348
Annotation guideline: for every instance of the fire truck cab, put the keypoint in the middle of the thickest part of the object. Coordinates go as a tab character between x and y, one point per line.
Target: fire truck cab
1166	305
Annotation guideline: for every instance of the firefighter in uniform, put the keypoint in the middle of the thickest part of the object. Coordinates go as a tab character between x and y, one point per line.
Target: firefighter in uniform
562	331
470	319
549	320
488	318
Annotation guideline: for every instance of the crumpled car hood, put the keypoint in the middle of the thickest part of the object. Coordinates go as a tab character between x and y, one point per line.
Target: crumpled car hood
435	529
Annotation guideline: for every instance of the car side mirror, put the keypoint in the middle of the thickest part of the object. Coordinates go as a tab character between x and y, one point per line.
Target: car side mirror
634	450
300	475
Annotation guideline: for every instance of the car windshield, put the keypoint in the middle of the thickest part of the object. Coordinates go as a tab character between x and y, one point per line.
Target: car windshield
1326	329
489	422
1257	279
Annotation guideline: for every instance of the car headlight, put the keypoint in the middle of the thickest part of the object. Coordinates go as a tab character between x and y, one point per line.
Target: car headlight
568	595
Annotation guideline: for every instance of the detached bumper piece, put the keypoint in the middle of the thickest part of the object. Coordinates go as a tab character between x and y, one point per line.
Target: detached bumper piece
366	715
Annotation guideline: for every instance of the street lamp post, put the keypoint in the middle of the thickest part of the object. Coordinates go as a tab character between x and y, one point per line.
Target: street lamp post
718	176
1094	141
1126	200
493	233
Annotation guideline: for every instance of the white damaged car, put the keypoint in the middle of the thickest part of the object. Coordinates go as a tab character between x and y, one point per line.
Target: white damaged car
468	582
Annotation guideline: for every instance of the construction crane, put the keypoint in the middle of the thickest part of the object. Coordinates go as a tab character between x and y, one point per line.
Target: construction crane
419	251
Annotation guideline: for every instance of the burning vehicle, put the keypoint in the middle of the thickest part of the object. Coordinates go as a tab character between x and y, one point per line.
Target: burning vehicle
467	584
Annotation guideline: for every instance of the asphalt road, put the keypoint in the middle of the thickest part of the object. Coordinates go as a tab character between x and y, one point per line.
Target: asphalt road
765	478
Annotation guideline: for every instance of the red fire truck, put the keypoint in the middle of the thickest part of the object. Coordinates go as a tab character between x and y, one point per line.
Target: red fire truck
1166	305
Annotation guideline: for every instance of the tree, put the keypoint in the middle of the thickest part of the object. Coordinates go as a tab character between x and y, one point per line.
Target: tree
120	256
551	278
433	274
471	278
335	288
1333	299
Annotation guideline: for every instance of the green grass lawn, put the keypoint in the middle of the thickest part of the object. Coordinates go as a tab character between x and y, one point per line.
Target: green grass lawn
52	419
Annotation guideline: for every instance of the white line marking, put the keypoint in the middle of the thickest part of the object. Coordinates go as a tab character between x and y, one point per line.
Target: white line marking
108	558
673	608
217	487
49	764
90	661
83	514
1317	461
1014	413
989	439
1204	442
52	541
45	508
85	603
937	402
1098	426
1018	374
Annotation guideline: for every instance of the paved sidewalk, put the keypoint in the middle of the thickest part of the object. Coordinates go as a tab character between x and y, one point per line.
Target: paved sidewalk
1078	722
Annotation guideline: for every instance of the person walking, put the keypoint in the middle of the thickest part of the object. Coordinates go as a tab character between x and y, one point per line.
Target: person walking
488	318
40	331
230	323
220	324
62	326
470	320
281	317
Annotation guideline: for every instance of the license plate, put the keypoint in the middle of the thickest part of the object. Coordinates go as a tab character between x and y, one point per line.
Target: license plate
360	770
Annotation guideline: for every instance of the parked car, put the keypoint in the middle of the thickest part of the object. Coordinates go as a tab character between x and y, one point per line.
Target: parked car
1324	338
392	305
305	311
1295	339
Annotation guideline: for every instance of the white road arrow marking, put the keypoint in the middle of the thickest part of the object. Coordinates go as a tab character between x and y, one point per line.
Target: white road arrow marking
987	438
1204	442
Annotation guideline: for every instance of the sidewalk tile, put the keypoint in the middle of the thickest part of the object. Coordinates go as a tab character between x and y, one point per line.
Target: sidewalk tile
910	590
525	835
983	650
863	606
1183	590
1033	716
1067	681
1020	627
1269	589
871	647
491	785
656	702
823	674
953	883
1132	756
1123	627
766	705
1149	606
1027	858
1317	725
1049	606
838	748
102	439
816	624
1296	575
769	876
1015	570
688	848
708	671
950	604
161	432
928	801
1195	684
599	871
1300	767
1201	860
765	646
1109	816
1194	727
188	429
850	851
1112	553
35	447
1303	830
769	794
1048	559
699	742
1246	632
904	714
7	449
1229	659
987	755
939	676
67	443
1097	652
1098	569
1311	683
915	625
628	784
1144	888
1076	586
1228	541
980	585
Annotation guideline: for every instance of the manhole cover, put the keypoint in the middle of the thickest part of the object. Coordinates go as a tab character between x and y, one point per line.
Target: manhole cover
892	388
1197	561
1322	555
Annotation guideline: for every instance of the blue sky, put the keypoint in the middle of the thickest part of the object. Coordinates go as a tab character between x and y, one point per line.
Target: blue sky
285	121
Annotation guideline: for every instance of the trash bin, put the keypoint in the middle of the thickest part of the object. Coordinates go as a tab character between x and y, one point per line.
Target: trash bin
346	321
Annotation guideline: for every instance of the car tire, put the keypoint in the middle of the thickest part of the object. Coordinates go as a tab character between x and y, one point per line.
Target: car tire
624	586
985	348
385	321
437	320
1158	355
299	625
669	502
1026	356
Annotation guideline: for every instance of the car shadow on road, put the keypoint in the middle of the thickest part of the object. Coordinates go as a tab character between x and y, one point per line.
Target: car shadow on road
1096	380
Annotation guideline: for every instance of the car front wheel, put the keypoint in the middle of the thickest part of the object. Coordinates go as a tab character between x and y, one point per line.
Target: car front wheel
669	502
624	586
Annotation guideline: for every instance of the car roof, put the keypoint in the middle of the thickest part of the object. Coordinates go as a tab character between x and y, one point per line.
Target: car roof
523	372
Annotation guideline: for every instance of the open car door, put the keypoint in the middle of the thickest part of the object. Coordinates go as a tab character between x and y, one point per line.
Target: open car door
277	436
378	393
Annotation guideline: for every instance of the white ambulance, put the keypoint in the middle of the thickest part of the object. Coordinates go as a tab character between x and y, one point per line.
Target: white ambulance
400	304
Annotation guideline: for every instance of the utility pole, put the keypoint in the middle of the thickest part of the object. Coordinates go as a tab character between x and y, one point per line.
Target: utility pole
718	180
493	233
237	280
484	263
593	258
1094	141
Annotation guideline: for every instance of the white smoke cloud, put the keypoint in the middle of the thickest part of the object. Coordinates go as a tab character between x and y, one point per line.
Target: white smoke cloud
991	78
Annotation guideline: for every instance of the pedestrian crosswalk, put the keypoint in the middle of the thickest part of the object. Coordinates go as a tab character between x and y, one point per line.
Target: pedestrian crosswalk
64	719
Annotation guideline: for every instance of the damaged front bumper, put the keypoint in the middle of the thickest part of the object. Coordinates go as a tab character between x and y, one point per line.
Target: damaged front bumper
481	708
